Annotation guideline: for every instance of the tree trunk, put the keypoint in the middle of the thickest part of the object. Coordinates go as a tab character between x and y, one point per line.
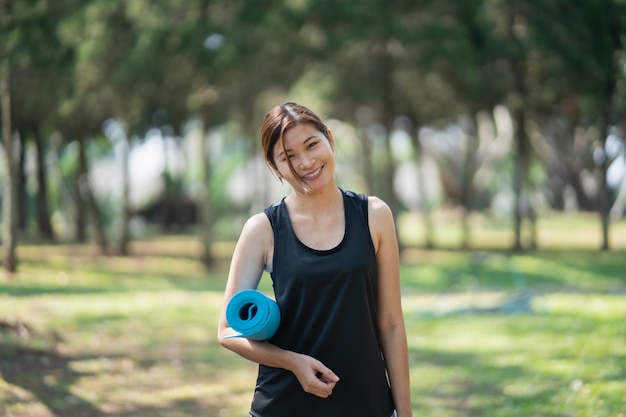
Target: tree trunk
124	237
605	123
388	188
86	194
521	174
21	194
604	204
468	171
363	121
425	207
614	28
388	112
206	214
10	181
520	137
80	214
43	209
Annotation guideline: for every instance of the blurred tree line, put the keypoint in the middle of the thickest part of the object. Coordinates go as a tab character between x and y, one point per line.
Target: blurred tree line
522	96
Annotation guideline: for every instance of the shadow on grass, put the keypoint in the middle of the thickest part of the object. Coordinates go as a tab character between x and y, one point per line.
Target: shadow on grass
45	376
102	276
474	385
529	364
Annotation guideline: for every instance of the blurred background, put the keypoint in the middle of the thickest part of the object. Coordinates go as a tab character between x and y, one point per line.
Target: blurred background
122	120
130	159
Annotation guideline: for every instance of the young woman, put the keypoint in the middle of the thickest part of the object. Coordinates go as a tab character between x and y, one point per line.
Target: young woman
340	349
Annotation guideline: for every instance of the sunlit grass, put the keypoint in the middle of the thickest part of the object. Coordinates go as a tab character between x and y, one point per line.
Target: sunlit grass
554	231
564	359
136	336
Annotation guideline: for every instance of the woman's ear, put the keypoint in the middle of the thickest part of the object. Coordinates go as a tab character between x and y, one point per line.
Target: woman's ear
331	140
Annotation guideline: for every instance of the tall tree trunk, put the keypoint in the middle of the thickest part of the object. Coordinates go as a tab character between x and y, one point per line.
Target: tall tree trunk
80	213
21	194
605	123
468	171
388	115
615	36
604	203
44	225
124	237
520	136
206	214
86	194
425	206
10	181
363	121
521	175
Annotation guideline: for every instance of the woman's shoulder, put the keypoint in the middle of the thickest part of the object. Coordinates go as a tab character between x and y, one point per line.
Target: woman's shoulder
377	204
379	214
376	207
373	201
258	225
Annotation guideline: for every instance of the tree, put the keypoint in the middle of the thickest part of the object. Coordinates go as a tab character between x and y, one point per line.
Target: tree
9	195
583	48
39	66
458	48
9	31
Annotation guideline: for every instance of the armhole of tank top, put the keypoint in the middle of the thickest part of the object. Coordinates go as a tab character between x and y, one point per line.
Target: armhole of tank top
365	202
364	199
270	212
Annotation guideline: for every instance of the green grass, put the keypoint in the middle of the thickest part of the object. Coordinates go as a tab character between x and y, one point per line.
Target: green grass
554	231
564	359
111	336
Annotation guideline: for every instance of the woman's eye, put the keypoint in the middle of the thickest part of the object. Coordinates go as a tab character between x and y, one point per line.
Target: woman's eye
312	144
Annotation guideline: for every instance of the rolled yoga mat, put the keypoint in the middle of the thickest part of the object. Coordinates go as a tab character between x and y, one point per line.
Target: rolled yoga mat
253	315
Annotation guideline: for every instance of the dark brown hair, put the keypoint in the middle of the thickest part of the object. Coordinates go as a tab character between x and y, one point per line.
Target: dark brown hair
282	118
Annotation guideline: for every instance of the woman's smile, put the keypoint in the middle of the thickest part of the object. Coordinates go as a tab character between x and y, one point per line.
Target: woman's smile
313	175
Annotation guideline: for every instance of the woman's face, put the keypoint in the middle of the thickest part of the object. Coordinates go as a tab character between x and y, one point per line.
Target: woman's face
311	155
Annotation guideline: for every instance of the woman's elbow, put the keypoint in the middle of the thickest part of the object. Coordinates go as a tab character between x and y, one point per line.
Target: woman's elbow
221	336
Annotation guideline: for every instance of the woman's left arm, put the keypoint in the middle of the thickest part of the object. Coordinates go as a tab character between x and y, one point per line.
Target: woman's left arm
390	316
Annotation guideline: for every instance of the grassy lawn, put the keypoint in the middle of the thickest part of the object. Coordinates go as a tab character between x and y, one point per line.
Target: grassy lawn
491	334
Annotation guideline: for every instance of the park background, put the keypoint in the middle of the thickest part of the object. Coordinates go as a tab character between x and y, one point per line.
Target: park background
130	159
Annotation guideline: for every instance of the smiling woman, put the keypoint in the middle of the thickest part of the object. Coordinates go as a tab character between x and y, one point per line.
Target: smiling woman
306	155
340	347
293	139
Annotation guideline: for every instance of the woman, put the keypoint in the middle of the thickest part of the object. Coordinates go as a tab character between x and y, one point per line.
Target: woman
340	349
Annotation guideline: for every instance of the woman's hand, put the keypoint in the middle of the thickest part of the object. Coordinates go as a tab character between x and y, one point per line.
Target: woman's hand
314	377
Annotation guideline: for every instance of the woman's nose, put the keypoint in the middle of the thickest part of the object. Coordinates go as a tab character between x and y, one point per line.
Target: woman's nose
306	161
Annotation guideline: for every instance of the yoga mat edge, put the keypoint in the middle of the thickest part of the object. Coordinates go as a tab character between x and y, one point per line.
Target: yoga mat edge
252	315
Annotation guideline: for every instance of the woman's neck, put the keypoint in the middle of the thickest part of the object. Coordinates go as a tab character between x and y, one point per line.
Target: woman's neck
322	201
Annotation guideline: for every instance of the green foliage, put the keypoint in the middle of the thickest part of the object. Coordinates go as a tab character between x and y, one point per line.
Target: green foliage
75	64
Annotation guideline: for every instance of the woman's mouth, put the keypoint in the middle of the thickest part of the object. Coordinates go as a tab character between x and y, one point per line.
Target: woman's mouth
313	175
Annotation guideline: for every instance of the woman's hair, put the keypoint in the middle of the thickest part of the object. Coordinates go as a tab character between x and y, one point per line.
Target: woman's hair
282	118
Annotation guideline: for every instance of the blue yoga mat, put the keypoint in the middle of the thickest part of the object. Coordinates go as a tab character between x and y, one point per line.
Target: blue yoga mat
253	315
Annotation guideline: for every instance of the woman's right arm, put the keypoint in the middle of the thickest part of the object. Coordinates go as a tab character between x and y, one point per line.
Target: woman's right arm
253	252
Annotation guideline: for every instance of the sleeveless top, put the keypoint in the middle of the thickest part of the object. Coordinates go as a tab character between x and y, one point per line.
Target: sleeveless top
328	303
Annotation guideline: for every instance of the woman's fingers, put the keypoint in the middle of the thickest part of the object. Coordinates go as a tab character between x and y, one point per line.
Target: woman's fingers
315	378
327	376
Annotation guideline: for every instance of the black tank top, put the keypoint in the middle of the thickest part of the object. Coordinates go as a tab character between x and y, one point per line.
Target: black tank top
328	303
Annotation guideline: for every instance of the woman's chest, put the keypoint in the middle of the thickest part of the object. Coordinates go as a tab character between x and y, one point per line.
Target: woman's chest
320	234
